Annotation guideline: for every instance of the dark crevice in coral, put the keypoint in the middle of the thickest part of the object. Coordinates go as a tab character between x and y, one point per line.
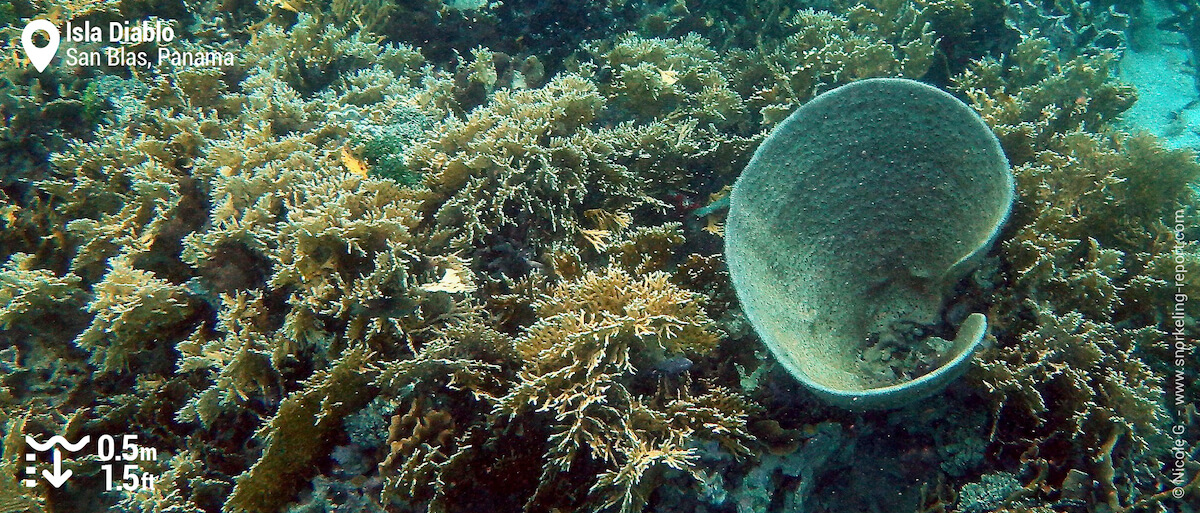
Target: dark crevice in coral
985	34
502	474
187	217
504	255
232	266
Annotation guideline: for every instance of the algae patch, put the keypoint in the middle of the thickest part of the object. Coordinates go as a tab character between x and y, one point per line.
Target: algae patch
854	218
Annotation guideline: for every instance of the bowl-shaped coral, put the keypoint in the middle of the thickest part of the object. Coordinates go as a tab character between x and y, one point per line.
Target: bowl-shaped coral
851	224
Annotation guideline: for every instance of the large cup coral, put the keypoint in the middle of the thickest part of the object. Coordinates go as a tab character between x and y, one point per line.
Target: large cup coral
854	219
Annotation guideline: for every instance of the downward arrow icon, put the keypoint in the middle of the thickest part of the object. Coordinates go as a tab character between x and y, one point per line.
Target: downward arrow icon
59	476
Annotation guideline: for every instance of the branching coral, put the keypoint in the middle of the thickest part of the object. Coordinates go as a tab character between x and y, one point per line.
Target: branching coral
448	384
309	55
245	362
296	263
134	312
592	336
1092	366
27	293
647	249
668	78
1084	301
680	119
420	442
1103	203
15	497
526	163
1035	93
1075	27
299	434
262	248
825	50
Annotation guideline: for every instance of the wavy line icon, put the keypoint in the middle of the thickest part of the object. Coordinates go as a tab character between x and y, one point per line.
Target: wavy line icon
57	439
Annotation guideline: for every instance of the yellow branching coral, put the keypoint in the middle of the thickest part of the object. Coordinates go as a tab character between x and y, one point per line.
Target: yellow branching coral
1091	366
647	248
133	309
525	163
1036	93
307	55
128	195
244	363
450	383
658	435
468	356
340	240
15	497
1082	309
1093	207
315	244
667	154
668	78
299	433
27	294
827	50
682	110
592	337
626	312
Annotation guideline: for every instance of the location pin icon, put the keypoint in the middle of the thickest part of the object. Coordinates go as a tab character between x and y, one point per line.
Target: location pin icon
40	57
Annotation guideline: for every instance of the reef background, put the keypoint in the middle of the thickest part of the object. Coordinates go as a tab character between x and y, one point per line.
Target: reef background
457	256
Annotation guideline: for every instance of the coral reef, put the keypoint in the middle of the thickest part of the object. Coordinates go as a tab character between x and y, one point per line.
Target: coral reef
1083	280
824	50
1036	93
466	256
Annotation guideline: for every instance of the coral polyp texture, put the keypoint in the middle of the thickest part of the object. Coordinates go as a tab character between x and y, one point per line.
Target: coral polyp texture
447	256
